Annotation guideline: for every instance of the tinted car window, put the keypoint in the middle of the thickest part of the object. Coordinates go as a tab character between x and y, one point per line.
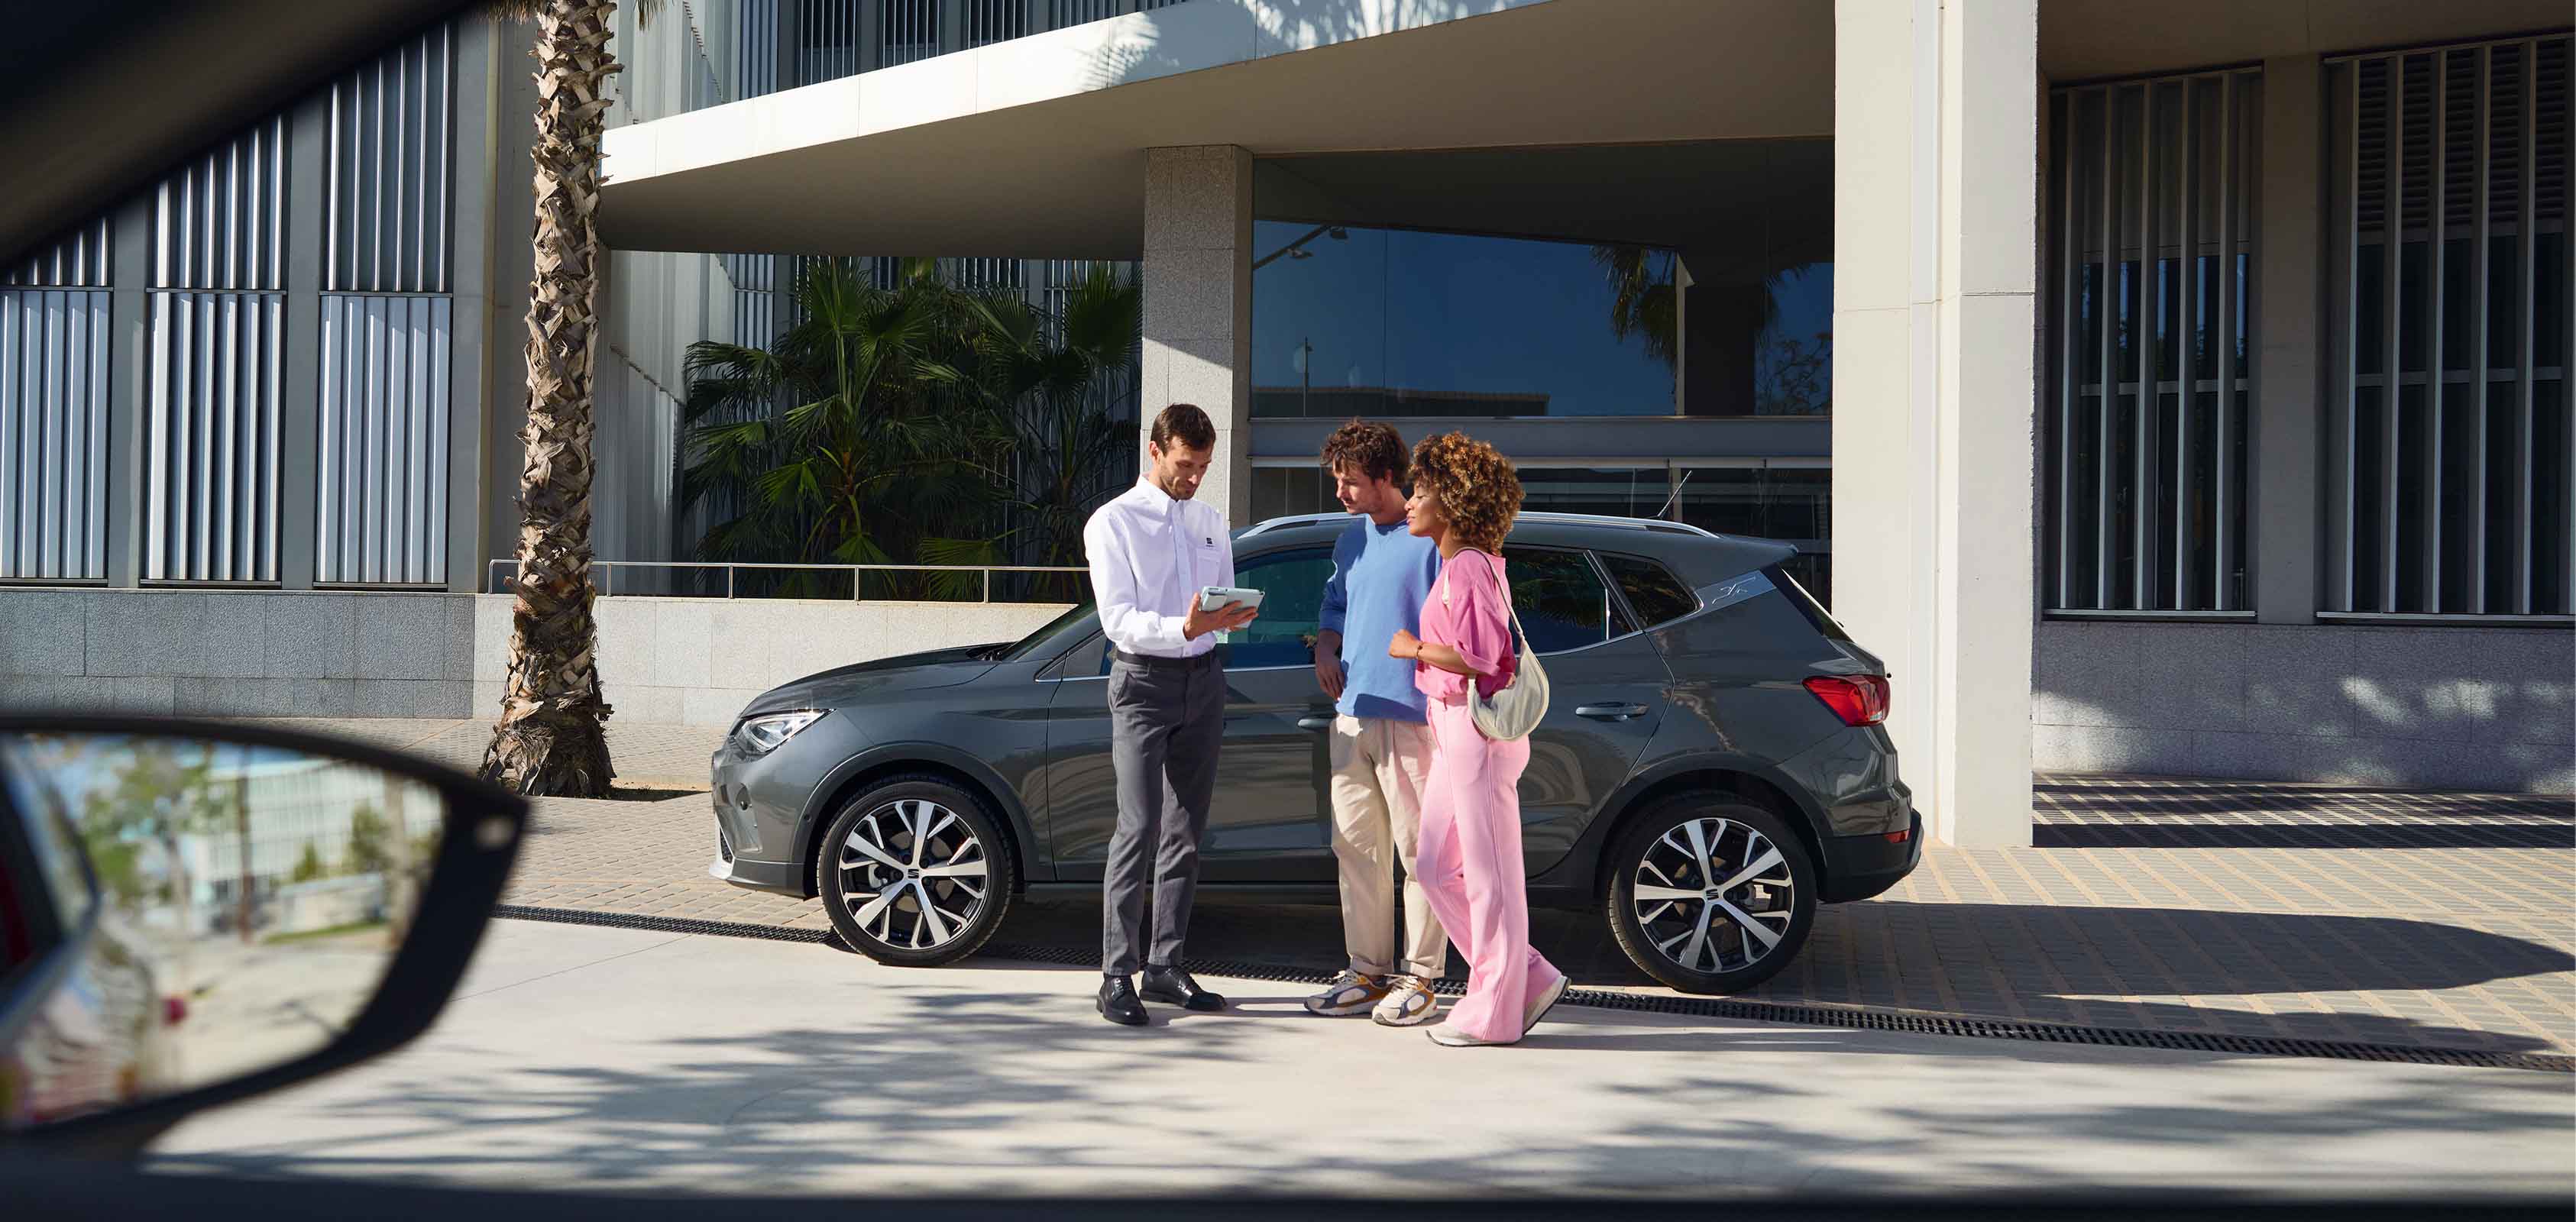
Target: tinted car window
1653	592
1292	608
1561	600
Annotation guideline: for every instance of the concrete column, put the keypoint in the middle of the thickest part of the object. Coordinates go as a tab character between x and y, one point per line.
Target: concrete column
478	162
1935	250
1197	282
2289	299
129	364
299	405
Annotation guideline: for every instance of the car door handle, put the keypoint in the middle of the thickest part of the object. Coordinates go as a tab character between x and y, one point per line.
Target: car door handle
1611	712
1314	723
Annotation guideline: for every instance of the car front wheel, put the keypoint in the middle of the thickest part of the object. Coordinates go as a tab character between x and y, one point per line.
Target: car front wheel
914	872
1711	894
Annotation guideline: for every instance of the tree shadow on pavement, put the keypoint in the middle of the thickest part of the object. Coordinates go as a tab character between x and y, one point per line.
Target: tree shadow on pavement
2129	968
970	1092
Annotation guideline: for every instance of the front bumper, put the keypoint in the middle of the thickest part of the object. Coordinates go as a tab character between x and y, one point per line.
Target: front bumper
743	837
1858	867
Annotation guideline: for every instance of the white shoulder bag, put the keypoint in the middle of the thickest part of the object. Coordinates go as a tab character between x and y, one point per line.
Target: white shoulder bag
1513	712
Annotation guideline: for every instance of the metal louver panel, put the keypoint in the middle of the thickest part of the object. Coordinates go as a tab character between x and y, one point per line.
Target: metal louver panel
977	275
2449	438
911	31
53	434
827	41
755	298
389	180
77	260
2151	249
382	466
992	21
1062	13
755	71
210	437
219	221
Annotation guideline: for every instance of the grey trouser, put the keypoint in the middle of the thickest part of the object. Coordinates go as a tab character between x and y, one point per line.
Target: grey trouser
1166	720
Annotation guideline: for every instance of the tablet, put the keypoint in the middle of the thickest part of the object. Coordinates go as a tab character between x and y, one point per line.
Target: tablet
1214	597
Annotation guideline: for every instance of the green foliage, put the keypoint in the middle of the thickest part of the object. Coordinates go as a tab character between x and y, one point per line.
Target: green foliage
309	866
1642	300
922	423
369	833
162	790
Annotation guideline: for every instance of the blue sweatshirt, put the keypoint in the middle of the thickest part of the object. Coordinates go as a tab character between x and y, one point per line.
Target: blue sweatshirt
1381	575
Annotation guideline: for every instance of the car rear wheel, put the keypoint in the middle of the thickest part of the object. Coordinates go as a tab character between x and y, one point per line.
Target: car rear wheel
914	872
1711	894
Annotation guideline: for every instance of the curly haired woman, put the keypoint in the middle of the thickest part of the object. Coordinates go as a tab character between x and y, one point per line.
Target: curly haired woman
1465	496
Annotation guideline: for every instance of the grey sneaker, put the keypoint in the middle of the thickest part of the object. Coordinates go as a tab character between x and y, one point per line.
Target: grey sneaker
1351	993
1450	1037
1408	1003
1544	1002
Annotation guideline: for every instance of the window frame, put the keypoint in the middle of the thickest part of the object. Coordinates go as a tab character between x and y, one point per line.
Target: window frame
1600	573
1698	604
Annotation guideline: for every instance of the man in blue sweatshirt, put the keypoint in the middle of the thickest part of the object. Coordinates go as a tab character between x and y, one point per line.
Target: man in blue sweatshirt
1381	742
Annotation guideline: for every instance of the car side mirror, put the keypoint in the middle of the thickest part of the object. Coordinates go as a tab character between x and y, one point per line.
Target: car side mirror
193	913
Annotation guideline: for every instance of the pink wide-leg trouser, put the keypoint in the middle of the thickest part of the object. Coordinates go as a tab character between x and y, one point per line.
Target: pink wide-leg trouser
1472	871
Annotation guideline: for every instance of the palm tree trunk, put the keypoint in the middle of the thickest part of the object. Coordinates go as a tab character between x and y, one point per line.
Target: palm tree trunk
551	738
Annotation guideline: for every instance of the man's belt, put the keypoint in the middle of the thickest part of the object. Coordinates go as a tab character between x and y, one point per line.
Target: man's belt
1151	662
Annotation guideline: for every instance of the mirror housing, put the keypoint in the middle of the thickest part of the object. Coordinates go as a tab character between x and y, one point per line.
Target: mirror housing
482	829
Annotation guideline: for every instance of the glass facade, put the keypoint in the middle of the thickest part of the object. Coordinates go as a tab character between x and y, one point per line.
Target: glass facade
1356	321
1789	504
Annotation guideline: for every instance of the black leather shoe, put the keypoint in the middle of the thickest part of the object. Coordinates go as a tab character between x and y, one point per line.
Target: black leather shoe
1171	984
1118	1002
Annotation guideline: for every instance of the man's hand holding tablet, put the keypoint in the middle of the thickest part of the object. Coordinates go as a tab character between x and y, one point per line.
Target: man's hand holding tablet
1221	609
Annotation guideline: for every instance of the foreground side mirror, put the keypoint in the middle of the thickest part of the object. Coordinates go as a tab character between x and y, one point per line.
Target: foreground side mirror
193	913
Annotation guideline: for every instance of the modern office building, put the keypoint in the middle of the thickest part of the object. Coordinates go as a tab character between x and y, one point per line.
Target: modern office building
2179	392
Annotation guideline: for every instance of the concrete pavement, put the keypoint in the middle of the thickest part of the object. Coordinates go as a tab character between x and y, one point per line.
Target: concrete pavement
2411	918
581	1057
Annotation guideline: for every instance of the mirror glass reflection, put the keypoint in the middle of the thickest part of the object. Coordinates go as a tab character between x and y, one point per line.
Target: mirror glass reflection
180	912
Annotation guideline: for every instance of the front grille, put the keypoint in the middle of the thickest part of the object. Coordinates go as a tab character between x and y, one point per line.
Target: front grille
724	843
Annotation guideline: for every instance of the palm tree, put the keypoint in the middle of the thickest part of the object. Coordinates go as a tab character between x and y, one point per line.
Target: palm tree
880	411
551	737
1642	301
1050	381
852	431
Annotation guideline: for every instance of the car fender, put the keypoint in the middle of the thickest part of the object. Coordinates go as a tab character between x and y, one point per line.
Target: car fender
818	809
1580	868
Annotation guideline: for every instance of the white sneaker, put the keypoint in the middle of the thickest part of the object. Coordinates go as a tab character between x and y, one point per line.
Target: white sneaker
1450	1037
1408	1003
1544	1002
1350	993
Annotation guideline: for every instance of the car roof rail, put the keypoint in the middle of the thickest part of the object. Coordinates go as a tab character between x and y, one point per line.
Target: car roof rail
1610	521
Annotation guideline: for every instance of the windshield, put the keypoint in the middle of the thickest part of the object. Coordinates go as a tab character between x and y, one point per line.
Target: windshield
1058	631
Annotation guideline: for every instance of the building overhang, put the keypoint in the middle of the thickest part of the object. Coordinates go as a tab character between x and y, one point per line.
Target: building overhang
1035	147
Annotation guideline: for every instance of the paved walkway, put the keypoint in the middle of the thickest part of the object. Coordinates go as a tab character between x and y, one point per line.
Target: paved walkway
2423	919
644	1062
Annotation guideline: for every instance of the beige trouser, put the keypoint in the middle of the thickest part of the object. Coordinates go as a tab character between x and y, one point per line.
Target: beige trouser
1378	770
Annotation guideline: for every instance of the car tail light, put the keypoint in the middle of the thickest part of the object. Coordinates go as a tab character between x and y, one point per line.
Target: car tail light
174	1010
1860	700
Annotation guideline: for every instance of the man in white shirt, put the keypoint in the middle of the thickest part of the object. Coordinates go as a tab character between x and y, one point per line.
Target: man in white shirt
1151	551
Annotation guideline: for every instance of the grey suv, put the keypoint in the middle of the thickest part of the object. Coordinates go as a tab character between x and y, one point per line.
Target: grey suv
1712	766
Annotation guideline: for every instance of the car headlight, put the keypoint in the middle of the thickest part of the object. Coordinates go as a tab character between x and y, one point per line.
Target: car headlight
761	735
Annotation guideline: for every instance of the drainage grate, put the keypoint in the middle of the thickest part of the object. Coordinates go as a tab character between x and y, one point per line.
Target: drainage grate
1849	1018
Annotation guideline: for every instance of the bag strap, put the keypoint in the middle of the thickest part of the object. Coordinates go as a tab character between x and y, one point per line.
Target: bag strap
1508	608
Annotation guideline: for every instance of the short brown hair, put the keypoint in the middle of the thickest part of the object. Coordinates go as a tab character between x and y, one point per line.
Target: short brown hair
1476	486
1185	423
1374	450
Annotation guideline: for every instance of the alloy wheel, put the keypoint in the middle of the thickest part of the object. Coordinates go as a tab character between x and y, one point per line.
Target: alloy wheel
1714	895
914	873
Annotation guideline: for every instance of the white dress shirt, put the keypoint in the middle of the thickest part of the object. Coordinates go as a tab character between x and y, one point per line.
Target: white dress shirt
1149	556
